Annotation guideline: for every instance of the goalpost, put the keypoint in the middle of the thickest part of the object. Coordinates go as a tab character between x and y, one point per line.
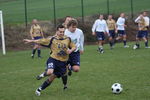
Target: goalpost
2	33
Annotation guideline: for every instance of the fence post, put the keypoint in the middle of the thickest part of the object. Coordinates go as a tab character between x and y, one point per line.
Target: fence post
54	12
108	7
82	7
132	9
25	8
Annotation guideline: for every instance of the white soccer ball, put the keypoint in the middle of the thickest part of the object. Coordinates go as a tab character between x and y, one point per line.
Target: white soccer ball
116	88
134	47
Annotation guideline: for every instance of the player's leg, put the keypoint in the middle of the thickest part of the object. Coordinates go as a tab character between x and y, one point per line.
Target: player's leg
45	84
74	62
110	42
125	41
49	69
39	51
145	38
34	50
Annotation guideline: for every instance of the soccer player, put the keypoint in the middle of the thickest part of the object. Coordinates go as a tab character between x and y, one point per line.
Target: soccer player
121	29
147	22
77	37
112	29
67	19
36	33
100	29
61	46
142	33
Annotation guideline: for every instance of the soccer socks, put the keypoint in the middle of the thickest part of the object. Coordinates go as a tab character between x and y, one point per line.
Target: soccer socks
33	52
44	85
146	44
125	42
39	53
138	45
111	44
64	80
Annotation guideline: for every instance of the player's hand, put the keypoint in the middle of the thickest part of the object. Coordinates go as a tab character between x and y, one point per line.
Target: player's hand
81	52
93	33
27	40
69	51
116	31
125	25
32	38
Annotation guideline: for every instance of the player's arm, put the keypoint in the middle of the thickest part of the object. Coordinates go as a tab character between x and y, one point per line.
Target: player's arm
72	48
42	33
43	42
94	27
137	19
106	28
81	43
31	31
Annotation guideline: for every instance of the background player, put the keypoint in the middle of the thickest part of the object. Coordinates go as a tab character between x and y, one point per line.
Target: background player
36	33
142	33
100	29
121	29
61	46
112	29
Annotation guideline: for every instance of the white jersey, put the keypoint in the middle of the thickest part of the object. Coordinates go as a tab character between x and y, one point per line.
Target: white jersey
147	20
77	37
120	23
100	26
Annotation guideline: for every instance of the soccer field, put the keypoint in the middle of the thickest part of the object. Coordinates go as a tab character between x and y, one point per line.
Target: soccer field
98	72
43	9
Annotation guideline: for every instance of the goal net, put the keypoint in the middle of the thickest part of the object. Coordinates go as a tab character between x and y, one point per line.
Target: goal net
2	38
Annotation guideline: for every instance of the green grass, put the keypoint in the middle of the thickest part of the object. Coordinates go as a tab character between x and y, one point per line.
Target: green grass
43	9
93	82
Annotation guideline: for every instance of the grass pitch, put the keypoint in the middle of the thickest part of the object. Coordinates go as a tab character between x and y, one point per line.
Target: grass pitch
98	72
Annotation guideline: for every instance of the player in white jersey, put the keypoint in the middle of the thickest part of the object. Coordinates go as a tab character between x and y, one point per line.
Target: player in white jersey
121	29
100	29
77	37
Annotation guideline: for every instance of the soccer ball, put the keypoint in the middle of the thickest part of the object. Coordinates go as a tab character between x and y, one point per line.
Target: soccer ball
116	88
134	47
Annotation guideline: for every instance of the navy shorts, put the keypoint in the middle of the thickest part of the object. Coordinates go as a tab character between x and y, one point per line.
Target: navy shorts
112	33
37	37
74	58
58	66
121	32
142	34
100	35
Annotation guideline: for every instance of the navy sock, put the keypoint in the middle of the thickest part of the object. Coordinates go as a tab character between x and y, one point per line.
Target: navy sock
146	44
111	44
64	79
39	53
138	45
45	84
125	42
33	51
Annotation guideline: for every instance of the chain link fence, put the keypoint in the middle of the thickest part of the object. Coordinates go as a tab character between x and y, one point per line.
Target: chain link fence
23	11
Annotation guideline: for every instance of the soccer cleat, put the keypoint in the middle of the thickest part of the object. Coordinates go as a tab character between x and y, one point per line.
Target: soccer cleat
39	57
102	51
32	56
39	77
135	47
65	88
126	46
147	47
37	92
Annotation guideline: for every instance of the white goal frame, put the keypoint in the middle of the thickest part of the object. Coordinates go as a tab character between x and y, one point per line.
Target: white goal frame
2	33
